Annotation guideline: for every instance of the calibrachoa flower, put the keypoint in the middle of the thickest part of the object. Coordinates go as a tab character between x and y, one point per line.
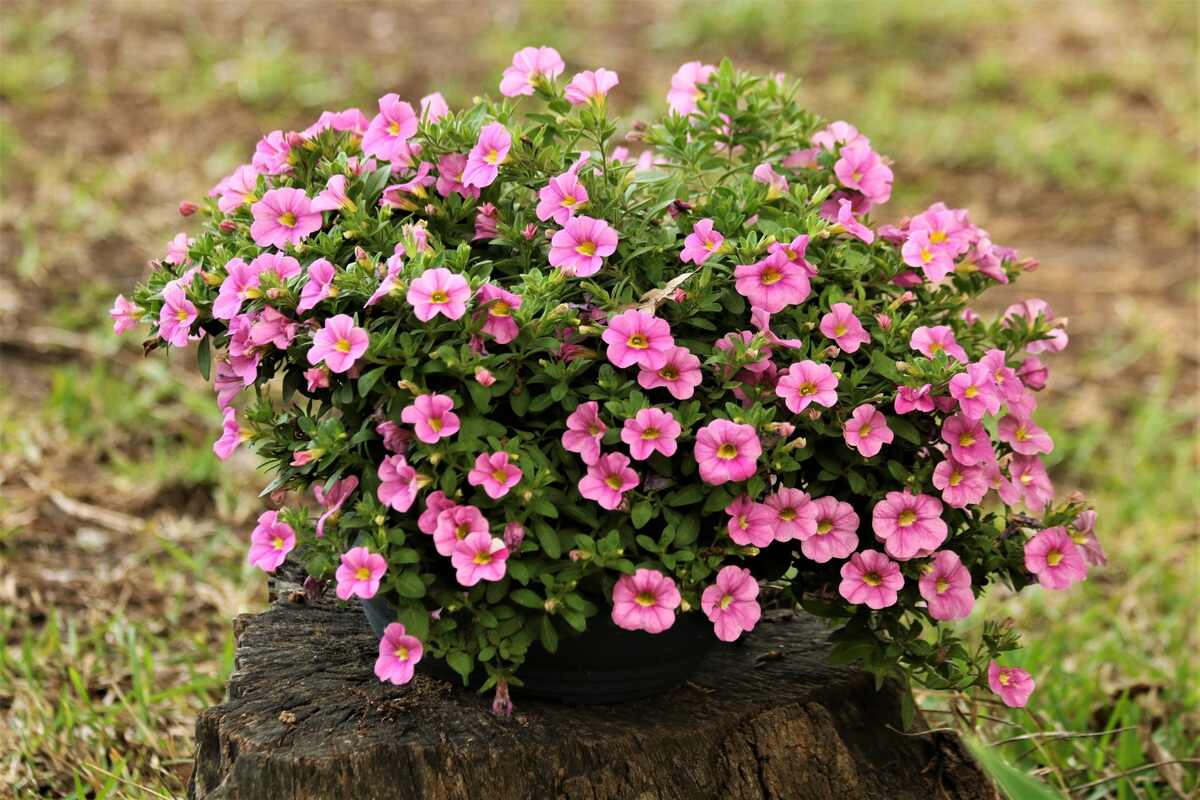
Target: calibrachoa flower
398	655
493	472
843	327
969	442
270	542
701	243
645	601
750	522
528	65
680	375
435	503
859	167
338	344
560	198
283	217
1013	684
961	486
1024	436
582	245
918	251
439	291
584	432
455	523
908	524
125	315
397	483
485	158
794	514
685	86
834	532
806	383
318	287
333	197
910	399
1055	559
651	431
232	435
331	502
388	134
870	578
591	86
637	338
975	391
450	169
238	189
946	586
1027	482
867	431
497	306
726	451
938	339
176	318
846	221
359	573
177	250
431	417
608	479
732	603
479	557
772	284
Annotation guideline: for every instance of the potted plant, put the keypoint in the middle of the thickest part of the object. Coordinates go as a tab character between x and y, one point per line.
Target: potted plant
569	416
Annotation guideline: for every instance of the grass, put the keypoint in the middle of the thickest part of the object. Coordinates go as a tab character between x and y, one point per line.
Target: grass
1068	128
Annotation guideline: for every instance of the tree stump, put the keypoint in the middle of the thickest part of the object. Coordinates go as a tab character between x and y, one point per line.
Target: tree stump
770	718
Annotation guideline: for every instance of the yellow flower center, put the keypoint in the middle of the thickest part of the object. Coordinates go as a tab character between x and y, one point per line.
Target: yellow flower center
839	330
181	314
594	430
926	255
644	599
787	514
771	275
493	156
937	237
613	482
638	342
942	585
287	218
362	574
966	440
824	527
726	600
807	388
1021	434
253	293
709	246
864	431
436	424
500	309
401	653
482	557
970	392
856	176
1054	558
727	451
936	347
461	531
668	373
277	542
1003	679
955	478
872	579
650	434
439	296
906	518
342	345
394	129
1027	479
499	475
586	249
569	201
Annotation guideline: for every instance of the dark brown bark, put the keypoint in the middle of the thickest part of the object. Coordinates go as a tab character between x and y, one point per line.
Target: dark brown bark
306	718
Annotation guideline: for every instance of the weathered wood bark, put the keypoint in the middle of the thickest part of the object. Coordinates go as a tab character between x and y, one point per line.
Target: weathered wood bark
306	718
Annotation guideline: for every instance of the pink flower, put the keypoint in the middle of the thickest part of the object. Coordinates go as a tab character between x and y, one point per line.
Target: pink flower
439	291
270	542
910	399
794	515
635	337
608	479
332	502
351	120
412	193
318	287
731	604
528	65
680	375
726	451
339	344
701	243
777	185
272	154
281	266
359	573
177	250
333	197
645	601
1028	482
486	222
240	284
561	198
398	483
584	431
1024	436
1055	559
1008	385
843	327
969	442
226	383
238	189
484	377
493	472
961	486
861	168
794	252
125	314
846	221
836	133
177	315
870	578
772	284
1033	373
806	383
834	531
589	86
485	158
938	339
455	524
273	328
450	175
1031	309
975	391
580	247
685	86
388	134
514	534
398	654
433	107
479	557
316	378
1013	684
651	430
867	430
435	504
935	261
946	586
750	522
908	524
497	305
431	417
283	217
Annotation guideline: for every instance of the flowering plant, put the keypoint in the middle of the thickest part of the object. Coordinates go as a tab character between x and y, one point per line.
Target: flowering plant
529	380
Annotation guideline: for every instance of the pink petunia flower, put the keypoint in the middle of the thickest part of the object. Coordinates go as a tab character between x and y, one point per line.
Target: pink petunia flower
433	107
939	339
1054	558
838	133
581	246
270	542
701	243
226	383
1083	533
398	483
493	472
685	86
398	654
645	601
794	252
1024	436
318	287
806	383
450	176
909	525
726	451
439	291
750	522
435	504
359	573
333	197
413	193
867	430
680	375
1013	684
651	430
332	501
455	524
431	417
176	317
731	603
528	65
845	220
238	189
584	431
1008	385
338	344
591	86
635	337
479	557
772	284
794	515
125	314
1027	482
841	325
968	440
388	134
834	530
270	327
608	479
777	185
1031	309
860	168
975	391
935	261
870	578
497	306
914	399
272	154
232	435
961	486
277	264
283	217
351	120
177	250
560	198
946	586
485	158
1033	373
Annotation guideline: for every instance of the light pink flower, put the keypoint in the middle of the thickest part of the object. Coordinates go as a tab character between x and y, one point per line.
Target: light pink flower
1054	558
870	578
961	486
528	65
731	603
589	86
359	573
806	383
836	133
701	243
1083	533
411	194
439	291
975	391
934	260
431	417
635	337
772	284
281	266
479	557
350	120
1031	309
332	502
726	451
910	399
1029	482
177	315
238	189
435	504
388	134
645	601
777	185
794	252
909	525
339	344
1013	684
398	483
1008	385
318	287
270	542
946	586
750	522
486	222
680	375
398	654
177	250
834	532
651	430
271	327
968	440
485	158
497	305
226	383
333	197
867	430
272	154
450	176
608	479
685	86
125	314
1024	436
939	339
240	284
433	107
845	220
232	435
493	472
1033	373
560	198
860	168
283	217
841	325
584	431
315	378
484	377
581	246
456	523
794	515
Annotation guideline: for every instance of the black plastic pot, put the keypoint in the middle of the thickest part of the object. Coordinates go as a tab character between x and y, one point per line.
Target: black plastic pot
604	664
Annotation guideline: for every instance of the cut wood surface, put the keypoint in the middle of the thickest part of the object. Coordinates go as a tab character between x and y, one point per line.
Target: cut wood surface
770	718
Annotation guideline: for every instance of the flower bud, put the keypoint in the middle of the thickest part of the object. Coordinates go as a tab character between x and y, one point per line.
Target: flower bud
484	377
884	321
501	704
529	231
514	534
227	226
550	605
211	279
187	208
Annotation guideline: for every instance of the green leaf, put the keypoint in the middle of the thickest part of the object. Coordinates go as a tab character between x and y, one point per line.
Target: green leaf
1016	784
904	429
685	496
527	598
548	635
368	380
462	663
642	513
415	620
409	584
204	357
548	539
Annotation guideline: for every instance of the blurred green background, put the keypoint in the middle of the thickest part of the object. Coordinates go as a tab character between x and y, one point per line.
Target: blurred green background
1068	128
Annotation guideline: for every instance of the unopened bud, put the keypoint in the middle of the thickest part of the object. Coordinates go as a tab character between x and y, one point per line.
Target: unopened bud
227	226
187	208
